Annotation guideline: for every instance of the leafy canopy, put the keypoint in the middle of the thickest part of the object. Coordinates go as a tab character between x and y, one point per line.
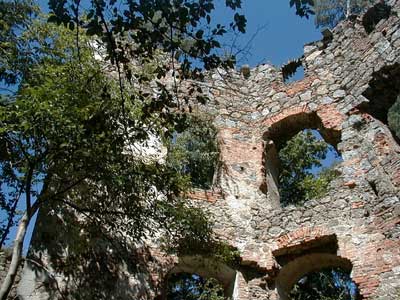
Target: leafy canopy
14	18
74	127
137	30
194	152
64	128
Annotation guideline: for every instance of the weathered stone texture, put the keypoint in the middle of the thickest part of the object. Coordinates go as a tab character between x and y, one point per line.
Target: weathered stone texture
5	260
357	224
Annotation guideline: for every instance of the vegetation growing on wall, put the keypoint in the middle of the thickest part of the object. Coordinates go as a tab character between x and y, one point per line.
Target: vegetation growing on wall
298	156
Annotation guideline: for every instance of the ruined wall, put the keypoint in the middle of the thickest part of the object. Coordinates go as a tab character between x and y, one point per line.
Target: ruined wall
5	260
356	225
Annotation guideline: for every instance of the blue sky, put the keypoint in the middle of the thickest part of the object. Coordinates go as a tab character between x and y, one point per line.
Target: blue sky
280	33
274	35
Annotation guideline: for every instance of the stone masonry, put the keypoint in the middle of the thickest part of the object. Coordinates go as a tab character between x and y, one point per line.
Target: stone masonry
350	82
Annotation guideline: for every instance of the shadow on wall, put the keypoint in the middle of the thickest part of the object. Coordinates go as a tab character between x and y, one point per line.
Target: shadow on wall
79	261
204	268
383	92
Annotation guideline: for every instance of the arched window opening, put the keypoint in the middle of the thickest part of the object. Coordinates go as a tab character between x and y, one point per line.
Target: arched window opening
315	275
194	151
201	278
383	94
327	284
190	286
299	159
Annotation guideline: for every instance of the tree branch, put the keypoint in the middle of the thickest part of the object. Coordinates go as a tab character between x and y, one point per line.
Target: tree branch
10	218
17	252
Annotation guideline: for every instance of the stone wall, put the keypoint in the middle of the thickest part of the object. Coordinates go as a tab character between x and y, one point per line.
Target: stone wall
356	225
5	260
361	210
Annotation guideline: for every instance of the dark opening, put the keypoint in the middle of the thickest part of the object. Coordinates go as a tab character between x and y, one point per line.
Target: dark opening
327	284
187	286
383	94
374	14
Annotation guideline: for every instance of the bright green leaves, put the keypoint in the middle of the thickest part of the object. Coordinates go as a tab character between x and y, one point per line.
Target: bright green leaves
296	182
67	125
194	152
14	17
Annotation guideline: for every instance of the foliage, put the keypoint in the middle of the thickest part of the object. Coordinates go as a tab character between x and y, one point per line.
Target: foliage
182	29
192	234
394	117
303	7
300	154
65	127
327	284
70	132
316	186
194	152
330	12
15	16
193	287
69	142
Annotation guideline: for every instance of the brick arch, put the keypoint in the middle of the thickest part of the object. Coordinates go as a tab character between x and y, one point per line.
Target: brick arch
294	270
206	268
283	126
302	235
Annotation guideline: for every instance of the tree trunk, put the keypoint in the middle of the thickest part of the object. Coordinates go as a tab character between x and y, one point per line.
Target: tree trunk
348	9
10	221
17	251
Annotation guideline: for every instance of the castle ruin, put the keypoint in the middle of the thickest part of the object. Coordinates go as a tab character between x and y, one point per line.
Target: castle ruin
351	80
